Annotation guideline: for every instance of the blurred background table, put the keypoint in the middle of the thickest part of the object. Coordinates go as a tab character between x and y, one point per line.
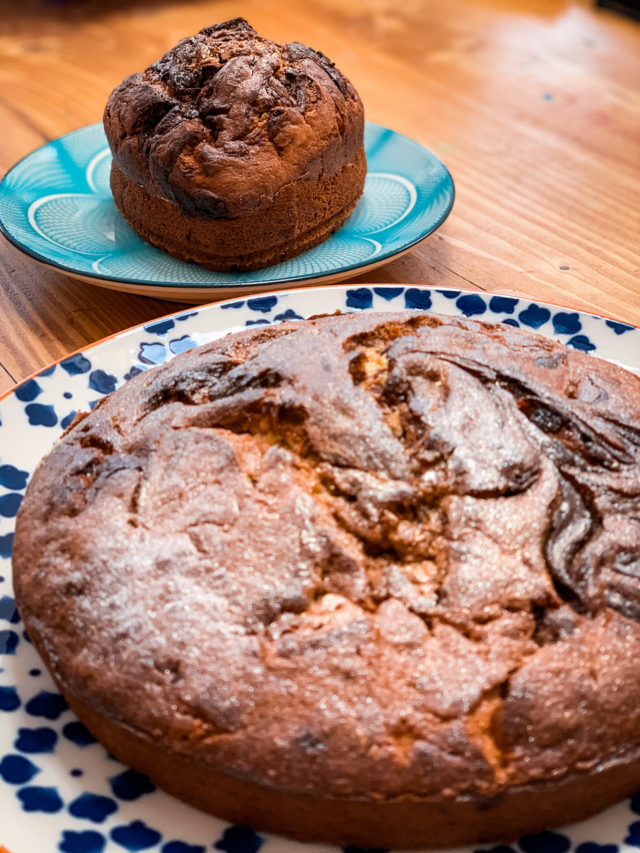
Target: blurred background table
534	105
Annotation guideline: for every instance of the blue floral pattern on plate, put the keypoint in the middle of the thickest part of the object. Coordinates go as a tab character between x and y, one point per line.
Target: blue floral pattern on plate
56	205
59	789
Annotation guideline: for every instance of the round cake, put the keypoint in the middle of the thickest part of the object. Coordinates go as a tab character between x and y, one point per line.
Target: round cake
364	579
234	151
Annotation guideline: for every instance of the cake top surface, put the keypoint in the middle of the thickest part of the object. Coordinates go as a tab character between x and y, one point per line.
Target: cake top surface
226	118
364	555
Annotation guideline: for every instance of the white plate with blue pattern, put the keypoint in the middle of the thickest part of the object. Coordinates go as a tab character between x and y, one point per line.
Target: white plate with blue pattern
56	205
59	790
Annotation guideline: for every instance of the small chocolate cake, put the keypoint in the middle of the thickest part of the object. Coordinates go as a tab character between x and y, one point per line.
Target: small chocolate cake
364	579
234	151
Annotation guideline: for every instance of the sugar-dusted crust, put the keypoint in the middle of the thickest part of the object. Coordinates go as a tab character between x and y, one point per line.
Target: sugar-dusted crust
380	566
226	119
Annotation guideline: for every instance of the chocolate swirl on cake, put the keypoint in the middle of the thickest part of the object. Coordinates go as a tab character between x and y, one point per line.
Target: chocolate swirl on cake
384	566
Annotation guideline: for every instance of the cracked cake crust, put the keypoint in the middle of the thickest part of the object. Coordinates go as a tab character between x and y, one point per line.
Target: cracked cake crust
235	151
384	561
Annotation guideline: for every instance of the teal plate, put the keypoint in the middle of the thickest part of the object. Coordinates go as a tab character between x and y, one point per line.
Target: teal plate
56	206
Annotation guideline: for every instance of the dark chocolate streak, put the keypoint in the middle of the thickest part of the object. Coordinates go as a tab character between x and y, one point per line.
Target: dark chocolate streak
583	451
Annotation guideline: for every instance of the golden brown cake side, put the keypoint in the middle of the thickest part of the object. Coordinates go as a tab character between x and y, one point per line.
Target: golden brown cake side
380	565
405	822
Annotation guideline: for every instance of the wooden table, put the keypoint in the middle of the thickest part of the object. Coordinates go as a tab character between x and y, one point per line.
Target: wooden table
533	104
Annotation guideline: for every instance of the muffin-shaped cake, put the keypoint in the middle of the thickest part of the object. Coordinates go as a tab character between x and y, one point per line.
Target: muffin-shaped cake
366	579
234	151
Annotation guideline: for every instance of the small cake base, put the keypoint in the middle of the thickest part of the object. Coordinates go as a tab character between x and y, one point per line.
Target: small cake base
302	215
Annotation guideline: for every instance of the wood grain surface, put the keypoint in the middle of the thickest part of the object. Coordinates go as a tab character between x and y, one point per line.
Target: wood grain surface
534	105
